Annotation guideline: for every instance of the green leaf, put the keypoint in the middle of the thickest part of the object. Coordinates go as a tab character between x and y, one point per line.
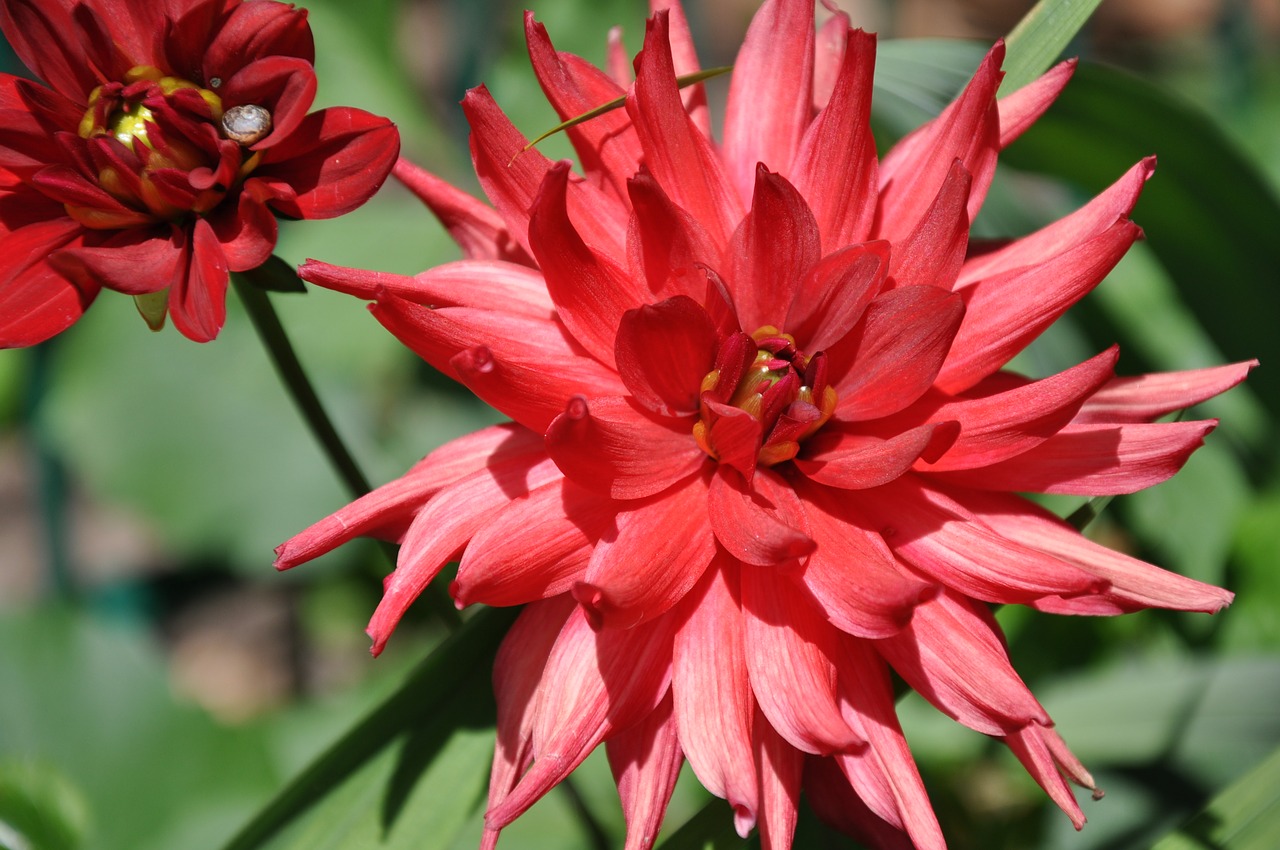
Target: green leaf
1040	37
40	808
450	687
1246	816
1207	213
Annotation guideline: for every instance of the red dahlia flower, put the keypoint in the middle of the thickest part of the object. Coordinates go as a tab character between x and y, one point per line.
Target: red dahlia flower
151	162
763	448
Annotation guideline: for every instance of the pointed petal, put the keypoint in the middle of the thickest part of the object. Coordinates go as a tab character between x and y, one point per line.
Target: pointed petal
834	293
659	551
851	461
968	129
790	652
1146	397
679	155
385	513
527	368
475	226
852	574
663	352
1022	108
1094	460
947	543
933	252
684	58
835	168
953	656
1004	425
780	768
611	446
761	523
646	761
771	91
493	285
772	249
537	546
906	335
1031	749
713	700
666	246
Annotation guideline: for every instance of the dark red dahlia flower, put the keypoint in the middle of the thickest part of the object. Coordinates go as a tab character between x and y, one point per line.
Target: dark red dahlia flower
153	159
764	445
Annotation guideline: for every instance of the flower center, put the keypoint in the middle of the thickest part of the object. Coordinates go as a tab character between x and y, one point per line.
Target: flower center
764	397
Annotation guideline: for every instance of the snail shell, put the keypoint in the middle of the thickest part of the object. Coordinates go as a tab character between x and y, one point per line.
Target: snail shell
246	124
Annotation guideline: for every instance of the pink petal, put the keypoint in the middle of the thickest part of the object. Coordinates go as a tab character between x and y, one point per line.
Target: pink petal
537	546
606	146
780	768
894	791
835	167
492	285
953	656
947	543
512	177
1004	425
772	249
385	513
1147	397
770	92
969	129
1005	312
713	700
595	684
852	574
762	523
933	252
646	761
334	162
852	461
527	368
658	552
1022	108
666	246
1032	750
198	299
906	335
663	352
442	527
590	291
679	155
827	790
685	61
790	650
1094	460
834	293
475	226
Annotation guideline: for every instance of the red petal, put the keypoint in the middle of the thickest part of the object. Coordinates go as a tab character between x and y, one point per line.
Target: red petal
609	445
663	352
37	302
941	539
761	523
1022	108
790	653
537	546
1004	425
665	245
1029	745
932	253
590	291
198	299
52	44
1147	397
246	230
906	336
912	173
256	30
283	85
685	61
772	249
953	655
525	367
1094	460
130	261
770	92
658	552
475	226
679	155
835	168
834	293
713	700
853	461
646	762
780	768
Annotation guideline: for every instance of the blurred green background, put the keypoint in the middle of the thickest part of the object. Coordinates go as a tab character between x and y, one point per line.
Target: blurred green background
159	681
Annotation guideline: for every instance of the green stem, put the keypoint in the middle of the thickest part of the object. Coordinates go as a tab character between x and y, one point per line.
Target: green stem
267	323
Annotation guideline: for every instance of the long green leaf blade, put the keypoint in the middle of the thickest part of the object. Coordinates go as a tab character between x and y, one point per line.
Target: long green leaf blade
1246	816
1040	37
